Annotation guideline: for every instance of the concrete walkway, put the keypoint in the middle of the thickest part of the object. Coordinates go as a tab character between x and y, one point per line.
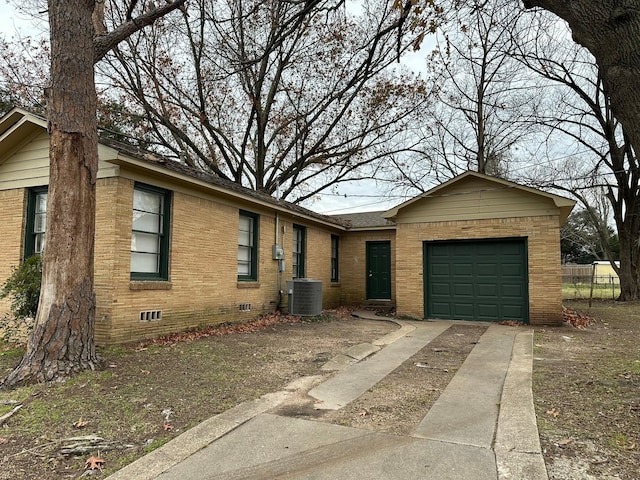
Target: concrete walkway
481	428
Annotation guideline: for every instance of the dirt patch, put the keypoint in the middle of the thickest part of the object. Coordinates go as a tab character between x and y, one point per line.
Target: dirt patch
399	402
587	394
145	397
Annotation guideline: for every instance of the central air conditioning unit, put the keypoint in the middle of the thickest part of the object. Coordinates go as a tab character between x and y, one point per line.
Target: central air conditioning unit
305	297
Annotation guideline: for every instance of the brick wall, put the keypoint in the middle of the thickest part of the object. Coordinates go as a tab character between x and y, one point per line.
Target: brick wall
12	213
353	264
545	288
107	196
318	256
203	287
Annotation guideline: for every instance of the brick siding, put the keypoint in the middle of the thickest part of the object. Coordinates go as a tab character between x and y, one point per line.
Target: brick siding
11	233
203	287
353	264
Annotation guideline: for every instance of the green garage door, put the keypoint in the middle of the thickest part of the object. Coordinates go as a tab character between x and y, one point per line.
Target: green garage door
476	280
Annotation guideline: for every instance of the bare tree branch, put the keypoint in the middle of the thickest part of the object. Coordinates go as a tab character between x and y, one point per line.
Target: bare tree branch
103	43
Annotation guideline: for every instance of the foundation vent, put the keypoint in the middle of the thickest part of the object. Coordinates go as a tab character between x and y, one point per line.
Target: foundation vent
245	307
150	315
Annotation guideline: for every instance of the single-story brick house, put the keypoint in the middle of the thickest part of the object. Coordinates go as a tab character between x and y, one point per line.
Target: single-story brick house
177	248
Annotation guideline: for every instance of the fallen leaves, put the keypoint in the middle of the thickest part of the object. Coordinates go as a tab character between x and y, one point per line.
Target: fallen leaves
80	423
554	412
576	319
565	441
219	330
94	463
511	323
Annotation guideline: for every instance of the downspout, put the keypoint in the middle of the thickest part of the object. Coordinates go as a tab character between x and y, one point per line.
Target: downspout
278	272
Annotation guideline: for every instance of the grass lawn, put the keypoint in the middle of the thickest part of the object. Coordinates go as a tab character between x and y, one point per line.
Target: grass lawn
573	291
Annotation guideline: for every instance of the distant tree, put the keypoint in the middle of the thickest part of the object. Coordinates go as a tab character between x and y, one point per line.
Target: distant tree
118	123
21	72
7	102
482	102
581	241
609	31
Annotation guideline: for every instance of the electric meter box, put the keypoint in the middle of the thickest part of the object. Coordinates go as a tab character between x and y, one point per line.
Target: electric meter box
278	252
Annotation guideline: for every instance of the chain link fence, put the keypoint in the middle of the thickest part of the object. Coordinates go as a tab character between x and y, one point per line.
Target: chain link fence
579	281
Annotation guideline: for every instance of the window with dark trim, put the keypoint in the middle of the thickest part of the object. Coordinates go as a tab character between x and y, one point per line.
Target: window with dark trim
299	245
150	233
335	244
248	246
36	221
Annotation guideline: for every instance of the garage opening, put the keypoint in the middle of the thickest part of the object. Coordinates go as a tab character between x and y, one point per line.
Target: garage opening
482	280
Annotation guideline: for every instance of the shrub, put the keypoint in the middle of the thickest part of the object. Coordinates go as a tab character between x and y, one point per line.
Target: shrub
23	285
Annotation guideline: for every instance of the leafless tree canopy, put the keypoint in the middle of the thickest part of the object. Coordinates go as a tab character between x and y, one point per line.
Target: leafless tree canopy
277	96
589	148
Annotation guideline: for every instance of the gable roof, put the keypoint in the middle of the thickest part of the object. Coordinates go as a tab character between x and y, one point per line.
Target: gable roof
565	205
17	125
367	220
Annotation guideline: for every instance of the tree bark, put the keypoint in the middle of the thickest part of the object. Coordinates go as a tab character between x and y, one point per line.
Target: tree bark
62	340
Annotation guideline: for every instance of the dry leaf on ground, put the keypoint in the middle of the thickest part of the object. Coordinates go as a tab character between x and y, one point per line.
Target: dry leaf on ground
94	463
80	423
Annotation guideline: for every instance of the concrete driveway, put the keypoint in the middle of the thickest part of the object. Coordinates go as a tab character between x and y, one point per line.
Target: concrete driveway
482	427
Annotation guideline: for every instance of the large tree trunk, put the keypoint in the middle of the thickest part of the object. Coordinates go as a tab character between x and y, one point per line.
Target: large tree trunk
626	212
610	30
62	339
628	272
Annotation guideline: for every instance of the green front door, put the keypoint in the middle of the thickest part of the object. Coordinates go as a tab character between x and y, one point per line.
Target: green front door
378	270
476	280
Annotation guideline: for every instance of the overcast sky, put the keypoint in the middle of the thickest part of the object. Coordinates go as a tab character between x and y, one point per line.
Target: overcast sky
353	197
